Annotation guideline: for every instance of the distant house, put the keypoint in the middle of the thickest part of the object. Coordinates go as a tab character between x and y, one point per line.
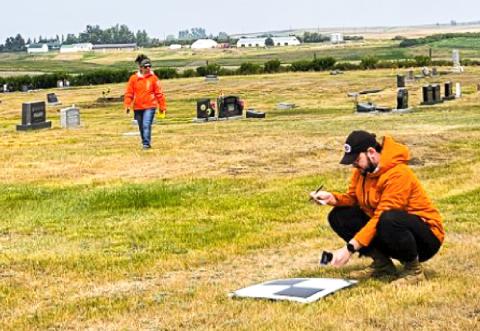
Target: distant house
260	42
175	46
115	47
204	44
37	48
336	38
74	48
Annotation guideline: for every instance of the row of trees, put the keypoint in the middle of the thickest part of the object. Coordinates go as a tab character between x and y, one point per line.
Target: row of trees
106	76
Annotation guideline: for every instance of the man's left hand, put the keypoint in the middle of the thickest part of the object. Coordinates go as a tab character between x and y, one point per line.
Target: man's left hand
341	257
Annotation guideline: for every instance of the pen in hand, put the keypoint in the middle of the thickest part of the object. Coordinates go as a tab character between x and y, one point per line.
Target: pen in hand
318	189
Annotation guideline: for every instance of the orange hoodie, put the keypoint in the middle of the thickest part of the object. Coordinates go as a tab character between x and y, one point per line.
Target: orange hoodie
145	92
392	186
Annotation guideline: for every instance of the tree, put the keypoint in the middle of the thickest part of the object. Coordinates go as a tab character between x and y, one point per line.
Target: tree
15	44
269	42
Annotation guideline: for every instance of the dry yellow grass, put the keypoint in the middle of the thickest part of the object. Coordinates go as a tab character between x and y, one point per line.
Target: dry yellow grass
60	270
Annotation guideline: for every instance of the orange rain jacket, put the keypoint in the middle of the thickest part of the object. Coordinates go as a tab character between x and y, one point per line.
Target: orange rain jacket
145	92
393	187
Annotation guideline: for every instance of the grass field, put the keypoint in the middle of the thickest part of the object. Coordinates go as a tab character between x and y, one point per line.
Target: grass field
186	58
97	234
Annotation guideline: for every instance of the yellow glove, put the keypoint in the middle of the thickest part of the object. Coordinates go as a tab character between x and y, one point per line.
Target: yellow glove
162	114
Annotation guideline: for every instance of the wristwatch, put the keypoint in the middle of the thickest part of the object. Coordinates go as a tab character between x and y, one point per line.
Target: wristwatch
351	248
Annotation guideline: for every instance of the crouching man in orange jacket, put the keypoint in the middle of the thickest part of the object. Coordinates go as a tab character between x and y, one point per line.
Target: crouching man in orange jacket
385	213
144	93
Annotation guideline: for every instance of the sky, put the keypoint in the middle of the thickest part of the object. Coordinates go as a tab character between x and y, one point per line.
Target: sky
159	18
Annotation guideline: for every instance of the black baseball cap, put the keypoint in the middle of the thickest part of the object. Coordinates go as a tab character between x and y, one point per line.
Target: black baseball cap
357	142
145	63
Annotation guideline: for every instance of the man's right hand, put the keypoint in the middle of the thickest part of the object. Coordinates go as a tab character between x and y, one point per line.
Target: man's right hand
323	198
127	111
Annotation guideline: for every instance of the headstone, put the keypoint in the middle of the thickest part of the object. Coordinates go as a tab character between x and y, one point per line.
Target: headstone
66	83
285	106
59	83
437	95
457	66
34	116
458	90
427	92
252	113
230	106
449	91
52	99
70	117
205	109
431	94
425	71
5	88
211	78
24	88
365	107
400	81
434	72
410	75
402	98
456	58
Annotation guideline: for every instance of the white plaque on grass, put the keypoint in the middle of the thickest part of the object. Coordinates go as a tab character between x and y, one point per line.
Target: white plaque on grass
304	290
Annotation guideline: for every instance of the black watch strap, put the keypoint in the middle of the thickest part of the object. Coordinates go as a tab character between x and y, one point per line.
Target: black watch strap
351	248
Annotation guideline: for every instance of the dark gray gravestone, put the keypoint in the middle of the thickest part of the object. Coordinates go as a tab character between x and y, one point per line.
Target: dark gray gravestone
52	99
449	91
205	110
400	81
70	118
230	106
402	98
34	116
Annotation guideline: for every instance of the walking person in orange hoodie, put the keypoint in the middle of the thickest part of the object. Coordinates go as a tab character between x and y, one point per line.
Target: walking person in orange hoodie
145	94
385	214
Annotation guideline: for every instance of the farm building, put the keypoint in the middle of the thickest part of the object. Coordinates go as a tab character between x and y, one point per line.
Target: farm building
175	46
336	38
260	42
115	47
204	44
37	48
85	47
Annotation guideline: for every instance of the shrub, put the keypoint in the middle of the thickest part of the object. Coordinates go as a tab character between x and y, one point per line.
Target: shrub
211	69
323	63
272	66
369	62
248	68
166	73
301	65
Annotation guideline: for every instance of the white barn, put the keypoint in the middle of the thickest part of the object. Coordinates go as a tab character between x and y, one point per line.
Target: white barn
251	42
204	44
86	47
37	48
260	42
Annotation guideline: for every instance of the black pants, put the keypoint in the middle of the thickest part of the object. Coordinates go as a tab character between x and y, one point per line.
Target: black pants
400	235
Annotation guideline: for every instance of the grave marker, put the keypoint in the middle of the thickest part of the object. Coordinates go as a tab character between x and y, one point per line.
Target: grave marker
34	116
70	117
